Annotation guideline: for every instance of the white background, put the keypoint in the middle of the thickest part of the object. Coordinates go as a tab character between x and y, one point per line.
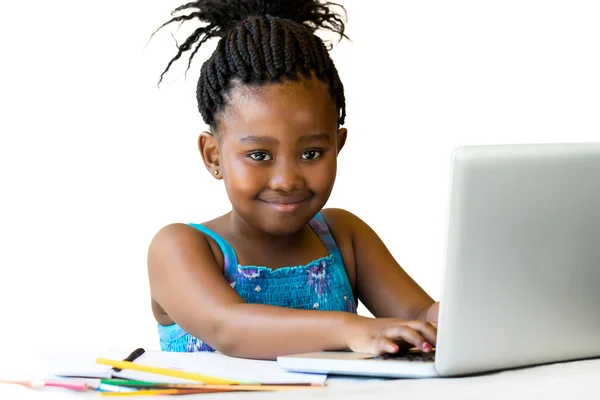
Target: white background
94	158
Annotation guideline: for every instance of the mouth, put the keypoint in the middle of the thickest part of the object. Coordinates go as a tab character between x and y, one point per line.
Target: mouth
286	204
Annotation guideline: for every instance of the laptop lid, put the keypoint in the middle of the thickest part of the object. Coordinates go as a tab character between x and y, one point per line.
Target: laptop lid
521	284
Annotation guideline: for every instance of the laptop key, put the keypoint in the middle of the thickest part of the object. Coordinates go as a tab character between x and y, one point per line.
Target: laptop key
410	356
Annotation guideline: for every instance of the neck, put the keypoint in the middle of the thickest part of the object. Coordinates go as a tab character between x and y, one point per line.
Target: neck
241	229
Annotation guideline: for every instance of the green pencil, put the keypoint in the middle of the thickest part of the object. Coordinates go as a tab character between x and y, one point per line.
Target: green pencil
227	387
126	382
154	385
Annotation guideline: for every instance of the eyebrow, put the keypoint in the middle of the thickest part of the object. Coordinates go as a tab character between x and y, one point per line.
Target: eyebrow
314	137
259	140
311	137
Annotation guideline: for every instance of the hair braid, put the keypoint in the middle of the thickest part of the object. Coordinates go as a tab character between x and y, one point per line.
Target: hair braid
262	27
260	41
252	44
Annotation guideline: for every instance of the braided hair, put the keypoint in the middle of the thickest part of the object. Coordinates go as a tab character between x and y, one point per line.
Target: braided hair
261	41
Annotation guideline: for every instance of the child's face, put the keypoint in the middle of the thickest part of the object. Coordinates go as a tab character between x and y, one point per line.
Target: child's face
277	153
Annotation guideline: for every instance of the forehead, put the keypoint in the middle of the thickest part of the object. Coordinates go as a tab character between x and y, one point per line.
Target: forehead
280	109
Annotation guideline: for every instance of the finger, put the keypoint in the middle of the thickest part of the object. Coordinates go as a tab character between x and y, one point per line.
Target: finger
409	335
426	329
385	345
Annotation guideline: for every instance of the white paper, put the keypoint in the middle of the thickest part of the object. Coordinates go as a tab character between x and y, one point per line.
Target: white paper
211	364
76	363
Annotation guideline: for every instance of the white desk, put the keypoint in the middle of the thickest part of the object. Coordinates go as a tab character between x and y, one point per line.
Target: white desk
580	379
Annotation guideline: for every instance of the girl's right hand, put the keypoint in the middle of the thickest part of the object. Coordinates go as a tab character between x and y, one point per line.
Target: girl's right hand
387	335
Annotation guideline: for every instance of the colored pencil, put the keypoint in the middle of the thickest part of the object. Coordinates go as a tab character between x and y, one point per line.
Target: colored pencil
240	388
138	384
142	384
104	387
161	392
163	371
266	388
206	389
40	383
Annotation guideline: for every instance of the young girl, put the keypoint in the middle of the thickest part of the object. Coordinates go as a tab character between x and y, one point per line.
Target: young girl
277	274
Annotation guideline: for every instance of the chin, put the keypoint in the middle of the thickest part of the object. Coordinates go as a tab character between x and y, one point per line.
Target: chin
285	222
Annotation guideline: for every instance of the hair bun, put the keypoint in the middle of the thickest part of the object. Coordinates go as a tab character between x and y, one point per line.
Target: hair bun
224	15
276	42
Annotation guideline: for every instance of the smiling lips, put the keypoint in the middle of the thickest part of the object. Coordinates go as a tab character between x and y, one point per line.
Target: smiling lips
286	204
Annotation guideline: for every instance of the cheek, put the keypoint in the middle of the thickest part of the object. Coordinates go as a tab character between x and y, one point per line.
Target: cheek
322	178
242	178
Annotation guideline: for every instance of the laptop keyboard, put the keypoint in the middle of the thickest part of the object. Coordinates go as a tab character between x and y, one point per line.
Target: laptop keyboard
410	356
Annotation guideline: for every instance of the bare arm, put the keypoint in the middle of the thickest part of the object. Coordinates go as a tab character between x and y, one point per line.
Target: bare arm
382	285
188	284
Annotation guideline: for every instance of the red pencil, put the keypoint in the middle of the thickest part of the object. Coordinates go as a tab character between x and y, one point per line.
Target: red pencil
40	383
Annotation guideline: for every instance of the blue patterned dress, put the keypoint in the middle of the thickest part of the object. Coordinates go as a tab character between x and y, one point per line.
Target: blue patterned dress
321	284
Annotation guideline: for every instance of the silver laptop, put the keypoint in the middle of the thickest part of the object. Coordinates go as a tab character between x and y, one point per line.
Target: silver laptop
521	276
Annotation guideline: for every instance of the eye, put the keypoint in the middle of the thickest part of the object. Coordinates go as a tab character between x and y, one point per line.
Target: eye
311	154
260	156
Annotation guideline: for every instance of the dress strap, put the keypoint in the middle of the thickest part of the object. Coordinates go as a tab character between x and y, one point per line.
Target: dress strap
230	263
319	225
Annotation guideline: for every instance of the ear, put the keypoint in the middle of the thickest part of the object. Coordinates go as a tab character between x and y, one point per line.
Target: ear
211	154
341	139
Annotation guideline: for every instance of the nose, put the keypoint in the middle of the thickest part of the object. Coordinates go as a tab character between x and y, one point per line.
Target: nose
286	176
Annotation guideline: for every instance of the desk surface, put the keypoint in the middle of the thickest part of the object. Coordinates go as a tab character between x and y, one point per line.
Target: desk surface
579	379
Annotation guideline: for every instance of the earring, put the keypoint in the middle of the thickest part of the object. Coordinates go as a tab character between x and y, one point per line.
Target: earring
216	172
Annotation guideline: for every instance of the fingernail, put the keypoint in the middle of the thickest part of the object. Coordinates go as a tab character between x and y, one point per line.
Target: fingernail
426	346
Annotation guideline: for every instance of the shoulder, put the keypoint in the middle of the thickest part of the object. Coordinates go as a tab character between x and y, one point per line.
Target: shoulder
343	225
343	222
175	239
174	235
348	230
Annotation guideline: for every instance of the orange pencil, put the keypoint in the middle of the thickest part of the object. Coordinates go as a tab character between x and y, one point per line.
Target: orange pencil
208	389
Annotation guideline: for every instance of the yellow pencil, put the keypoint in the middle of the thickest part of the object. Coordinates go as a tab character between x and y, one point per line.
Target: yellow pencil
164	371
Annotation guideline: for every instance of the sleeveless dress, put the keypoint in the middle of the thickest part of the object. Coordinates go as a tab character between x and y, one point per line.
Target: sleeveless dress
321	284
